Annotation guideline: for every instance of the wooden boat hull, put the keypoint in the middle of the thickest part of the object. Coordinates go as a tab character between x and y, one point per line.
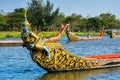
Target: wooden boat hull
61	60
58	35
72	37
114	36
47	40
53	57
11	42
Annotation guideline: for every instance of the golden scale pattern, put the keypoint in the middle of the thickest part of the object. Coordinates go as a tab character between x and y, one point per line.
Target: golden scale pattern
72	37
60	59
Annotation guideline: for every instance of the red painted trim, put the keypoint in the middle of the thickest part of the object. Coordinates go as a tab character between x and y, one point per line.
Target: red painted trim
101	32
105	56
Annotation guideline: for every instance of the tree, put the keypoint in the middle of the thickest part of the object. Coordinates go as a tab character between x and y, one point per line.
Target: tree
83	24
95	23
3	22
74	20
108	19
15	19
41	15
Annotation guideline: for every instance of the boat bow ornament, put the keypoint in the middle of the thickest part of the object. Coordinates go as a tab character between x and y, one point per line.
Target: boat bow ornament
26	27
53	57
72	37
113	35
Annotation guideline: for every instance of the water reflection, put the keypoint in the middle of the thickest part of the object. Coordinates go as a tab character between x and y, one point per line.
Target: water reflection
16	62
77	75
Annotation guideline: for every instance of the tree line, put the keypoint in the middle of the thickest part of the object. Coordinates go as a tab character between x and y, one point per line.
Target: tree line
43	18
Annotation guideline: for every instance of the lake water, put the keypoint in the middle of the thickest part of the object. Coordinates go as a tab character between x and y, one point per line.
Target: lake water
16	63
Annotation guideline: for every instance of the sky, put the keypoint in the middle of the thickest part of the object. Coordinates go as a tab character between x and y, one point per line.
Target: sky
83	7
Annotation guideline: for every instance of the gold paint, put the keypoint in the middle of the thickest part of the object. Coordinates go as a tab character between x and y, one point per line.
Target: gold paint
60	59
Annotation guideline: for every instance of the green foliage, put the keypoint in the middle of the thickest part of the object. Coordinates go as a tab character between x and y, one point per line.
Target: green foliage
96	23
15	19
42	15
108	19
3	22
78	23
9	34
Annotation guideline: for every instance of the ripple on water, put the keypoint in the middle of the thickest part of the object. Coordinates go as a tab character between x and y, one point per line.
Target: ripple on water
16	63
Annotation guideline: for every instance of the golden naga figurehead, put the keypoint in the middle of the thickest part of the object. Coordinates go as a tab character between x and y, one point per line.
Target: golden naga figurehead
26	23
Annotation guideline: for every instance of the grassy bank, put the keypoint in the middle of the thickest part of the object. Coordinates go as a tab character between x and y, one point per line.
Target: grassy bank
18	34
46	34
9	34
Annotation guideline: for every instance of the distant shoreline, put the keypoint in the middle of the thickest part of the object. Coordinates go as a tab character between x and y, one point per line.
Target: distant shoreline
13	34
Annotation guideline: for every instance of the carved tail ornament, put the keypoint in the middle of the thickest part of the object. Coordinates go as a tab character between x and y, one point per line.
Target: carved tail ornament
53	57
58	35
101	32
